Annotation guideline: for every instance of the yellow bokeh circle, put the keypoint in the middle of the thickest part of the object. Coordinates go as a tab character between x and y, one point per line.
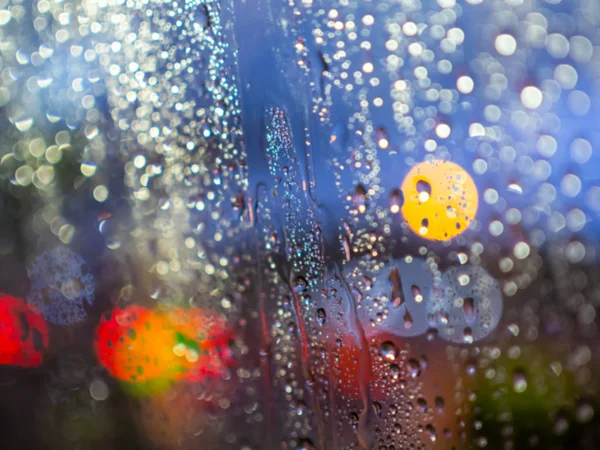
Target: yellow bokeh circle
440	200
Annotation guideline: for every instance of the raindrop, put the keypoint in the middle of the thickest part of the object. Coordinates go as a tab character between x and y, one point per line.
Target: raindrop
439	404
468	335
382	139
395	201
396	285
469	309
417	294
424	190
389	351
321	316
201	18
414	368
377	408
408	320
360	198
300	284
431	431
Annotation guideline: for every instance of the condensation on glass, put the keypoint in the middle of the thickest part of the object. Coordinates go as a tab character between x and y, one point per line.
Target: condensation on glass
311	224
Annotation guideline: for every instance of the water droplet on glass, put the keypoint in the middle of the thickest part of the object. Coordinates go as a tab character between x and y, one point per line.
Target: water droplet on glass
395	201
414	368
424	190
389	351
360	198
300	284
321	316
396	285
417	294
408	320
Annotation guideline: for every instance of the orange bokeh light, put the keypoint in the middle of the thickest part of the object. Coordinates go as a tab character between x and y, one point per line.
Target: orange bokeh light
440	200
139	345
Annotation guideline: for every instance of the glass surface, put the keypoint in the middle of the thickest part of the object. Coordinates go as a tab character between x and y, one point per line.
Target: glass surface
302	224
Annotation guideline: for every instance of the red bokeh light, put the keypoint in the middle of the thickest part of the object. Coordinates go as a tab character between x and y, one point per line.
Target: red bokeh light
23	333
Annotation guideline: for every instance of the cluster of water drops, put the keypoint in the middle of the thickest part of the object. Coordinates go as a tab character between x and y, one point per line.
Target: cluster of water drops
411	297
276	162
